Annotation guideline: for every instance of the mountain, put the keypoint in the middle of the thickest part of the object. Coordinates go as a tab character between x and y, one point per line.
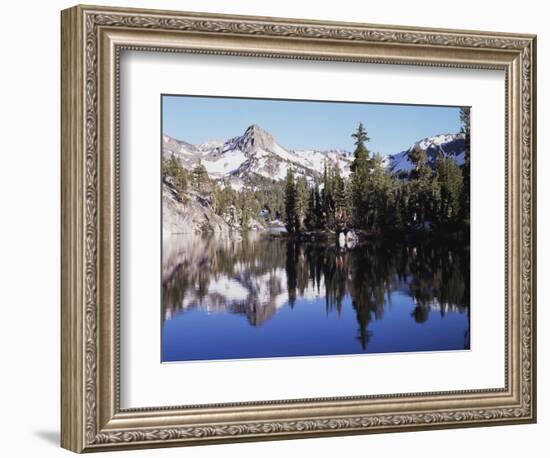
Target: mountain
453	145
256	153
252	289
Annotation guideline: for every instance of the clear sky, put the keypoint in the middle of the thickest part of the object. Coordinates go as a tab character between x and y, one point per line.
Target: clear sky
306	124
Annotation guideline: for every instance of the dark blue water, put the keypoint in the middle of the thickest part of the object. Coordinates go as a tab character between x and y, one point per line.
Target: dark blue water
271	297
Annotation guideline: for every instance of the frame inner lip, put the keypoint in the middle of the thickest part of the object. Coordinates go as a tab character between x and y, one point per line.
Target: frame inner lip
119	47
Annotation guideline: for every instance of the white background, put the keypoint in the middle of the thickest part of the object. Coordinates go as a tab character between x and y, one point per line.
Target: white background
145	76
29	246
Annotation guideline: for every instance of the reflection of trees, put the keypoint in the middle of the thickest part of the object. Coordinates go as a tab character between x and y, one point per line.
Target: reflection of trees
291	270
371	277
435	276
440	279
273	271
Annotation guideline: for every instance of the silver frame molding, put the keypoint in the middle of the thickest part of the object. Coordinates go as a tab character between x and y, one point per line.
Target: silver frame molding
92	40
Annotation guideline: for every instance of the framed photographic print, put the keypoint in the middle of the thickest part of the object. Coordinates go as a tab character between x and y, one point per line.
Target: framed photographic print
278	228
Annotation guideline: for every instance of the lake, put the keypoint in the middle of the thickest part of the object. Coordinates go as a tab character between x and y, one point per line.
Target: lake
260	296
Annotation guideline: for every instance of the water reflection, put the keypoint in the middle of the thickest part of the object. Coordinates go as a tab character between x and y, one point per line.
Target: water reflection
377	297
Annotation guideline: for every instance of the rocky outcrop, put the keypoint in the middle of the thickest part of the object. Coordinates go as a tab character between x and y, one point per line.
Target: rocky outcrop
194	214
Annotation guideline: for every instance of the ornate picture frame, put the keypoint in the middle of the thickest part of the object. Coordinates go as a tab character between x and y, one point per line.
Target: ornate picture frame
93	39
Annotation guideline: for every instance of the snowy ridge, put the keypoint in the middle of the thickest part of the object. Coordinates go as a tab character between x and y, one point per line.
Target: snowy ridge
453	145
257	153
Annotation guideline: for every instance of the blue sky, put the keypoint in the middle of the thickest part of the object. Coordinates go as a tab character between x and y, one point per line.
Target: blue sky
306	125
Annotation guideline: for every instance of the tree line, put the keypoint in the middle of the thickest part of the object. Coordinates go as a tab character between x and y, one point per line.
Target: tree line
374	200
370	199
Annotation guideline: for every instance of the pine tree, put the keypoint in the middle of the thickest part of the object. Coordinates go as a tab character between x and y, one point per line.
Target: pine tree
341	204
361	137
328	197
450	182
464	115
399	217
170	166
174	171
405	204
224	198
421	180
201	182
302	195
360	179
318	207
311	218
361	152
382	199
290	216
465	195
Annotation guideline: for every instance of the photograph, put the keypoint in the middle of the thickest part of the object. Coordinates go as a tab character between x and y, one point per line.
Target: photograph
310	228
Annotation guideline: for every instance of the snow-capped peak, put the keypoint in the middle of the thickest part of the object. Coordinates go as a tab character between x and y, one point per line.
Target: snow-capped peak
210	144
453	145
257	153
254	138
438	140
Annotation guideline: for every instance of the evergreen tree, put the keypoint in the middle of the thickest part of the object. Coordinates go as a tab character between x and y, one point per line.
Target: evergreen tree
224	198
420	201
290	216
244	209
464	115
360	179
450	182
248	205
382	199
173	170
400	205
302	195
201	182
311	219
465	195
318	207
170	166
328	197
361	152
341	203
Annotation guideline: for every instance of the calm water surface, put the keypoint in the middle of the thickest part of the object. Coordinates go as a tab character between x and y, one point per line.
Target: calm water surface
262	296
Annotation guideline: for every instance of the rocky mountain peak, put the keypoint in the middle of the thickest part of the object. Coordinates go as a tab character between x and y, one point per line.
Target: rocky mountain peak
253	138
255	130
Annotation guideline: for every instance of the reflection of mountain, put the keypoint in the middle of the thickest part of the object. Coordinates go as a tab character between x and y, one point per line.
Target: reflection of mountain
259	275
221	274
256	153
